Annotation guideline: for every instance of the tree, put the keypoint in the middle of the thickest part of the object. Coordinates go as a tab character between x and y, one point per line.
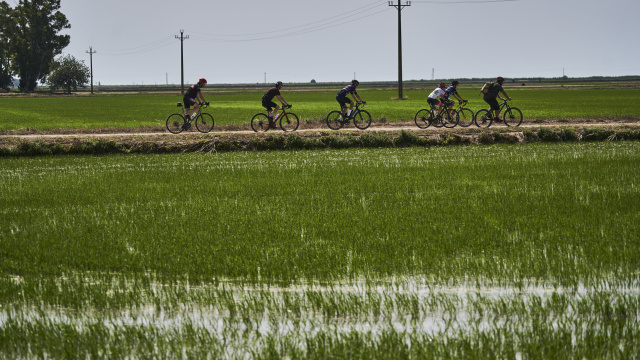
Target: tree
68	73
35	41
6	24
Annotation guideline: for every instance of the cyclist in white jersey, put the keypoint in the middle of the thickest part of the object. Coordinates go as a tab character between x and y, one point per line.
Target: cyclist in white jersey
436	96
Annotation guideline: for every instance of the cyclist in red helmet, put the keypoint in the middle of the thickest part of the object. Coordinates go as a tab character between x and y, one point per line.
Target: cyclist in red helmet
494	93
191	95
436	96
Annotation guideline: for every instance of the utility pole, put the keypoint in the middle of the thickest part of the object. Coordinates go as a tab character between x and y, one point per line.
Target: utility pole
400	7
182	39
91	52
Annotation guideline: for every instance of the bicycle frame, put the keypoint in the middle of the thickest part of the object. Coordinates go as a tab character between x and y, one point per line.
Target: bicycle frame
354	112
504	106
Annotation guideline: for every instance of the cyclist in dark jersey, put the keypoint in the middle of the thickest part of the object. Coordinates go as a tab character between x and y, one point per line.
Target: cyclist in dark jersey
193	93
452	91
343	100
267	102
494	93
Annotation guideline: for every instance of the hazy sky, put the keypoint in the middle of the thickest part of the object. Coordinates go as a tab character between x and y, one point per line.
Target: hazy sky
238	41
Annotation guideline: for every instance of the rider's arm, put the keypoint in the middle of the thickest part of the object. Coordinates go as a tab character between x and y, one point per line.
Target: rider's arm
281	99
505	94
357	97
201	97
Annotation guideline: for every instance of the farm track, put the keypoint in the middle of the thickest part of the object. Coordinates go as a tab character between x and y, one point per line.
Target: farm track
10	139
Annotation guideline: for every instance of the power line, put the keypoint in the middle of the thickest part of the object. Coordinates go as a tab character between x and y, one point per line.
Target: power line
323	24
460	1
333	19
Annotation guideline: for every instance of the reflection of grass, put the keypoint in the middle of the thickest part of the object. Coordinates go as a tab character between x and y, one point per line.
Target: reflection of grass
506	249
132	111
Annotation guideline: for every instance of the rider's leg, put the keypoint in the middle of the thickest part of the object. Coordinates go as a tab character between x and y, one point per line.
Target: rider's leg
274	111
350	109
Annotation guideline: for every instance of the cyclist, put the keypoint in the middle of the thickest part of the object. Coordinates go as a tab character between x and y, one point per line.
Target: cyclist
190	96
452	91
437	95
494	92
343	100
267	102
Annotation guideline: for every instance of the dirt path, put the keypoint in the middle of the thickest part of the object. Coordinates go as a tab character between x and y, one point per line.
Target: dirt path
244	133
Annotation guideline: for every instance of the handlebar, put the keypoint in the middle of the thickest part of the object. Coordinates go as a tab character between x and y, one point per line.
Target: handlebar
204	104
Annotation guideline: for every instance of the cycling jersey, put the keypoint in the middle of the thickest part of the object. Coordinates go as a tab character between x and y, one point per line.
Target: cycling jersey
437	94
192	91
451	90
493	92
349	89
273	92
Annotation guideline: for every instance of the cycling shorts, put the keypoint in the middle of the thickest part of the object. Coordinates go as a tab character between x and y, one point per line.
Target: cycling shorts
269	104
188	102
493	103
343	100
433	102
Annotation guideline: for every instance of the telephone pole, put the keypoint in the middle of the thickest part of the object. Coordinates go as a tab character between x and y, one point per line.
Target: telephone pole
182	39
400	7
91	52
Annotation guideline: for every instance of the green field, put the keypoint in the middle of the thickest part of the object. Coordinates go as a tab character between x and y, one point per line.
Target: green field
236	107
506	251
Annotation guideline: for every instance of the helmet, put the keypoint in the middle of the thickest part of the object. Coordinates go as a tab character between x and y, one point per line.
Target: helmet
443	85
455	82
500	79
355	82
202	81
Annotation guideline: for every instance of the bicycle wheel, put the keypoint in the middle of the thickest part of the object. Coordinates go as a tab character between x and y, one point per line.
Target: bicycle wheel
437	121
423	118
362	119
289	122
465	117
174	123
513	117
450	121
260	122
483	118
204	123
333	120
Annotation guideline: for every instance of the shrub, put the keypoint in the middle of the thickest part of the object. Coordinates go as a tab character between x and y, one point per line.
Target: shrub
373	140
548	135
408	138
628	135
271	142
33	148
487	138
299	142
597	134
530	136
500	137
568	134
339	142
95	147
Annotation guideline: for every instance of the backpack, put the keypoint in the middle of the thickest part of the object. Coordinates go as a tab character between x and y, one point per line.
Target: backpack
486	86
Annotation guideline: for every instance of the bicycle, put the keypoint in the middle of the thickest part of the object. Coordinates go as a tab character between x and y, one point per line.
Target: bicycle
361	118
511	116
288	121
179	122
427	117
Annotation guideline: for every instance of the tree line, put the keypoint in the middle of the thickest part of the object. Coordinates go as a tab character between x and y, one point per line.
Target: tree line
30	41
